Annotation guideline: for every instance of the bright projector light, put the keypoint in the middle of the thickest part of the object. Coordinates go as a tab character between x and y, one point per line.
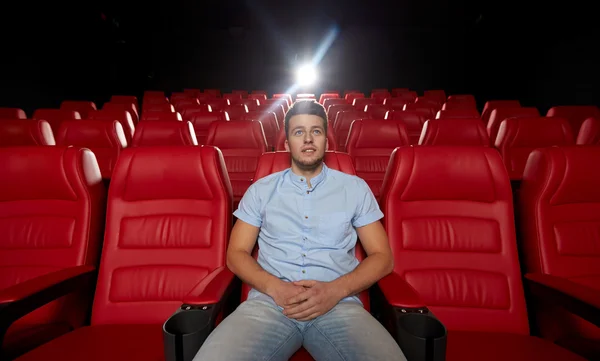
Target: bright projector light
306	75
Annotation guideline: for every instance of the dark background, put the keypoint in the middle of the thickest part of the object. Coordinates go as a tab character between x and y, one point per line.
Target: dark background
541	53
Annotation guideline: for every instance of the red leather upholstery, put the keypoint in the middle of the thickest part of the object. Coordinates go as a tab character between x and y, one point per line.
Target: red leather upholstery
274	106
258	96
518	137
560	215
396	103
251	104
284	99
269	123
19	132
123	116
164	133
201	122
82	107
181	104
428	103
104	138
575	114
490	105
242	143
454	243
342	123
413	122
189	111
232	97
129	107
55	116
332	101
52	213
324	96
499	114
457	113
438	95
235	112
458	131
12	113
331	142
589	133
370	144
351	96
127	100
168	224
360	103
377	111
467	100
148	115
334	109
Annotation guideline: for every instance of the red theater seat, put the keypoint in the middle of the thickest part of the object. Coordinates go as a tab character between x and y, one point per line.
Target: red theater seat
286	97
377	111
164	133
19	132
55	117
128	107
341	125
82	107
589	133
126	99
162	107
518	137
499	114
360	103
560	214
437	95
12	113
413	122
331	101
188	112
334	109
161	116
460	131
52	213
216	104
236	112
274	106
396	103
575	114
105	139
123	116
325	96
260	97
467	100
427	112
428	103
269	123
242	143
370	143
201	122
490	105
449	218
168	223
457	113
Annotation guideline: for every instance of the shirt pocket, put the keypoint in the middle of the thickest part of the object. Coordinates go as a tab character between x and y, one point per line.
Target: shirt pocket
332	228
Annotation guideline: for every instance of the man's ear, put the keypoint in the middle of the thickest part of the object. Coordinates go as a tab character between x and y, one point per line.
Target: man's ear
287	146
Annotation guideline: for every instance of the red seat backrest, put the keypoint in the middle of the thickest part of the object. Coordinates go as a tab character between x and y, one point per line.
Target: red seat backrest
438	95
123	116
55	117
341	125
12	113
459	100
377	111
168	223
428	103
201	122
52	212
413	122
20	132
105	139
589	133
459	131
164	133
457	113
242	143
490	105
518	137
161	116
236	112
449	218
370	144
129	107
334	109
499	114
575	114
269	123
82	107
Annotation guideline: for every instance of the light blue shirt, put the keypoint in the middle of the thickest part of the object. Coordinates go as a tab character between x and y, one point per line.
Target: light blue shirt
308	233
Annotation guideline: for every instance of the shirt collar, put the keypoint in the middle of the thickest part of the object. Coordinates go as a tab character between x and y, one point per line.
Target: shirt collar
301	180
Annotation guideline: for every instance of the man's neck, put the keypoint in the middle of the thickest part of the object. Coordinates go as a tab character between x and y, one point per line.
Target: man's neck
308	174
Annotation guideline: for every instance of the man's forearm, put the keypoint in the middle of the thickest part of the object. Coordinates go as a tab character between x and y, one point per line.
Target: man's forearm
368	272
249	271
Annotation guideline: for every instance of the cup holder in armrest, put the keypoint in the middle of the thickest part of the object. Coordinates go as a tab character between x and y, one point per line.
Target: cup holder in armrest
185	332
422	337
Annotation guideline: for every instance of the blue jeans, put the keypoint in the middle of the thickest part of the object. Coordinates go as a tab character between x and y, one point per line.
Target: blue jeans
258	331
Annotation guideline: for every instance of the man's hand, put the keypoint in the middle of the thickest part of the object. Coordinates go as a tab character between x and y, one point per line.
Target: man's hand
283	291
316	300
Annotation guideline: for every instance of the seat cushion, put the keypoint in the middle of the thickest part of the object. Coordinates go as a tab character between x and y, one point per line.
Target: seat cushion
22	338
467	346
301	355
104	343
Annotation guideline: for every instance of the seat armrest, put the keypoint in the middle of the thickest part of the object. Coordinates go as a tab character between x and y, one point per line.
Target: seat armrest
576	298
18	300
398	293
212	289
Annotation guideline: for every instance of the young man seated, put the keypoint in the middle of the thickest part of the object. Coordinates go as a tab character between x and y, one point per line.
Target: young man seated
307	220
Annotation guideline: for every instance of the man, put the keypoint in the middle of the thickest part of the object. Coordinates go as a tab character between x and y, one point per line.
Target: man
306	281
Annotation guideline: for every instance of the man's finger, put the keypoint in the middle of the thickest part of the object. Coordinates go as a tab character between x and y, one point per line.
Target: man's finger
296	309
305	283
310	317
301	297
303	313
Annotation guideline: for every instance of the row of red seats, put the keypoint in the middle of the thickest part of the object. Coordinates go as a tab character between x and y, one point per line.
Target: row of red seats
168	218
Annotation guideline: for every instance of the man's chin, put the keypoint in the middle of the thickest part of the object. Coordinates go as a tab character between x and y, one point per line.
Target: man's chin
308	164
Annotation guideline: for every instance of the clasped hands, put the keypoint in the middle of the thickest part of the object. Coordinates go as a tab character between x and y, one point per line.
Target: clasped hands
306	300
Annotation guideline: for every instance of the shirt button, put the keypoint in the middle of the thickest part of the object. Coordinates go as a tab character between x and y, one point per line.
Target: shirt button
307	192
301	179
305	217
303	271
303	254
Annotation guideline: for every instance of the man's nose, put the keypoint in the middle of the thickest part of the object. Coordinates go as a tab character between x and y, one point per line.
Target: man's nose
308	138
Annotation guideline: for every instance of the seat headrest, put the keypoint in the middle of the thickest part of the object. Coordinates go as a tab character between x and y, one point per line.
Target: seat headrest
51	173
374	133
239	134
164	133
56	114
12	113
534	132
589	133
457	113
91	133
150	115
178	172
474	174
23	132
457	131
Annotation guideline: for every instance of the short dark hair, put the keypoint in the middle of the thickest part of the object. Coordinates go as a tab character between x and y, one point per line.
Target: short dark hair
309	107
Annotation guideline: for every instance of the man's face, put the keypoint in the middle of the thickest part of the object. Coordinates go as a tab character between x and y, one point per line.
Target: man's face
306	141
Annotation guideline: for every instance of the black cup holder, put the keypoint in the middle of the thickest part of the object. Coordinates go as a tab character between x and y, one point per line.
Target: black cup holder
422	337
184	333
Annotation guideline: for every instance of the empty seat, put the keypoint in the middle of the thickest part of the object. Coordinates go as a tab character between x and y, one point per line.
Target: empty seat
331	101
377	111
589	133
269	123
275	107
123	116
360	103
342	123
460	131
334	109
182	103
20	132
260	97
201	122
82	107
128	107
242	142
457	113
351	96
449	219
243	93
126	99
427	112
437	95
163	107
12	113
331	141
560	213
167	228
467	100
325	96
413	122
55	117
161	116
189	111
52	213
575	114
396	103
164	133
499	114
236	112
490	105
370	144
216	104
517	137
380	94
105	139
232	97
428	103
216	93
286	97
408	95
